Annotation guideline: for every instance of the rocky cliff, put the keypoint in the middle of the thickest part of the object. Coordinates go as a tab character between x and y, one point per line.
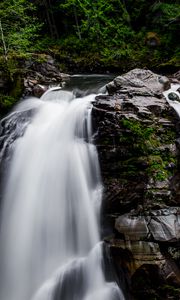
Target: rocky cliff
22	77
137	135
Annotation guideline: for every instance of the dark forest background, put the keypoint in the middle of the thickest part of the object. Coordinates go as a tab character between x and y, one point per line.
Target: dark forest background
109	35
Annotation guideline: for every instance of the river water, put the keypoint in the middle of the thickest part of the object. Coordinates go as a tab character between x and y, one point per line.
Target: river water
50	246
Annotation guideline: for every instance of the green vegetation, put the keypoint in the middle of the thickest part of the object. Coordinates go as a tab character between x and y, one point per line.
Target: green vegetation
145	144
157	168
19	26
142	138
104	35
6	103
169	291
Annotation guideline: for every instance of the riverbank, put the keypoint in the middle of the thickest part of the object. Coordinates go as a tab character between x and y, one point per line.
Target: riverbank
31	74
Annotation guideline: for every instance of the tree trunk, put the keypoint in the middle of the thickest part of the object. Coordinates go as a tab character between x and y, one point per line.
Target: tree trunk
77	23
50	19
3	42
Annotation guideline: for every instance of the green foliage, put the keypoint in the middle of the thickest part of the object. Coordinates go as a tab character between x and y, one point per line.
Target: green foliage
91	18
138	129
19	23
102	22
157	168
165	13
6	103
117	31
165	20
114	32
145	143
169	291
143	136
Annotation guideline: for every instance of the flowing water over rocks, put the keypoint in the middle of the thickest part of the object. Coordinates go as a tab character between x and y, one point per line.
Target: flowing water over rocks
49	242
137	134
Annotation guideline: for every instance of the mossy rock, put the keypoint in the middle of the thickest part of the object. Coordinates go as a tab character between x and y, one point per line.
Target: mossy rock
6	104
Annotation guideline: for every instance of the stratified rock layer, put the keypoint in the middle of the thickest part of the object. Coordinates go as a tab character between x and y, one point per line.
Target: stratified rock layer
158	225
40	75
137	140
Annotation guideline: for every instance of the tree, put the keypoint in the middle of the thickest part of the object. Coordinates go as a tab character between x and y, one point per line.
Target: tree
46	9
19	26
3	41
100	21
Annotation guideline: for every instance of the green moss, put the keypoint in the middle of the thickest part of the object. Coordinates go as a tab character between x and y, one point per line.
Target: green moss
17	86
157	168
138	129
145	142
13	88
142	137
6	103
171	291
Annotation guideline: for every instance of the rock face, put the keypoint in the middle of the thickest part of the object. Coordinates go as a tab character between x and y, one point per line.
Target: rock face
31	77
40	75
137	141
158	225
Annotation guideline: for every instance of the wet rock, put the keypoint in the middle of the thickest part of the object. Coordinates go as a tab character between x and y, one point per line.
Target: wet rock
148	283
103	102
138	81
42	74
159	225
175	78
129	159
165	82
39	90
133	228
48	70
137	135
136	140
173	96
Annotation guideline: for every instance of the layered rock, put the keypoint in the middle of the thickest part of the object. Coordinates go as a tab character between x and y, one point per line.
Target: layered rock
157	225
40	75
28	77
137	140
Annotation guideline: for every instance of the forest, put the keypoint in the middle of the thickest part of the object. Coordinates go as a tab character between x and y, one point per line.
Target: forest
85	35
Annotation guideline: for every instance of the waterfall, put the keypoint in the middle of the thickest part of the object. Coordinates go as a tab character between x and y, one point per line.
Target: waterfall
50	246
172	96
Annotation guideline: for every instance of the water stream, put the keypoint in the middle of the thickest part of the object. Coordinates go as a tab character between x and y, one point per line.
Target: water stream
50	246
173	97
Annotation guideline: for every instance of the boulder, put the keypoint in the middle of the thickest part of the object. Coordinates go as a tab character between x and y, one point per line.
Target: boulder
39	90
138	81
133	228
159	225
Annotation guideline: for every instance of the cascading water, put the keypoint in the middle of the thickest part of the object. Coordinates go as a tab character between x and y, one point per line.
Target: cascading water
49	244
173	97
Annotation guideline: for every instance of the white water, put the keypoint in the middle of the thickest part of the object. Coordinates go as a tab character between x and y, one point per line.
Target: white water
175	104
49	240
